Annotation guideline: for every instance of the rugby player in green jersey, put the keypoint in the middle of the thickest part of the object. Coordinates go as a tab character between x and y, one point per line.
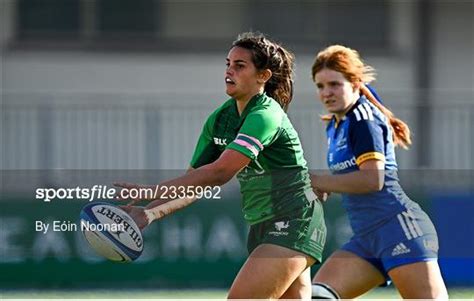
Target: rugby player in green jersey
251	136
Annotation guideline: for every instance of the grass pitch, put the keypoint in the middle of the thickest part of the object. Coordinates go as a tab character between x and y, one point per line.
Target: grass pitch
204	294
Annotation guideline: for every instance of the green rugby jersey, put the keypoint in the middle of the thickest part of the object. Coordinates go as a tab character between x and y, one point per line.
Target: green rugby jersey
276	181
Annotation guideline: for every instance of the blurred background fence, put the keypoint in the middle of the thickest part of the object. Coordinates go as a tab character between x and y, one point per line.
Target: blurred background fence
96	131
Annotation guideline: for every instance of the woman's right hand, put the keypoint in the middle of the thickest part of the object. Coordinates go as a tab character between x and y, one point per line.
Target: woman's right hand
137	214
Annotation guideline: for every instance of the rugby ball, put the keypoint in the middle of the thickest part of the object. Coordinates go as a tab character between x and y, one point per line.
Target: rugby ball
111	232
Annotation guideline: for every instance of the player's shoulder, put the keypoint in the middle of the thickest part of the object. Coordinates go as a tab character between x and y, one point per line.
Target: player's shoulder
365	112
267	107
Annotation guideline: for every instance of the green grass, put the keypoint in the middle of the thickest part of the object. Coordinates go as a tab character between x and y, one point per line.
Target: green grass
391	293
380	293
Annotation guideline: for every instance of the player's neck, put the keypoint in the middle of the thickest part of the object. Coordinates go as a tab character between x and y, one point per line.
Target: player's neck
242	102
340	115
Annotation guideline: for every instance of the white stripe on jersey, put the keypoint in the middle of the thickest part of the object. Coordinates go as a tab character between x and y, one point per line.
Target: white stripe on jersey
364	112
357	114
369	110
404	226
415	223
410	224
365	116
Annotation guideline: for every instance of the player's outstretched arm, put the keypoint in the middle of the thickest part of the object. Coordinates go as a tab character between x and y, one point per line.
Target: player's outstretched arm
214	174
369	178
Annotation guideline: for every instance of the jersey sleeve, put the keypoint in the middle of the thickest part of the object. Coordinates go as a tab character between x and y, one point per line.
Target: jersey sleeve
257	132
367	140
206	151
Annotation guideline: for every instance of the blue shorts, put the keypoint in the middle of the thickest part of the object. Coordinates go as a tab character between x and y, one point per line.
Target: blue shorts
408	237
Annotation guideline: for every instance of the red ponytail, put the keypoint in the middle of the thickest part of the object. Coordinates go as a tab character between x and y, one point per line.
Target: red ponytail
401	131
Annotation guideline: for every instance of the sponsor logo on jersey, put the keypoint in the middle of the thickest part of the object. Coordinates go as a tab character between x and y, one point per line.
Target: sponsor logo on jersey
220	141
282	225
343	165
341	142
279	227
400	249
340	135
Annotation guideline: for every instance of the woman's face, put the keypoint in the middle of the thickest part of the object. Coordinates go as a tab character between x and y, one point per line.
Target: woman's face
336	93
242	78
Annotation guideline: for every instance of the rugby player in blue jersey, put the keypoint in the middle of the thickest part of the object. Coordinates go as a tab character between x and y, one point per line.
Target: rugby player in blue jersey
393	238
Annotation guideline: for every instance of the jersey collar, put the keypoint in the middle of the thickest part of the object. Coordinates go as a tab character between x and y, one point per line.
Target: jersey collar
356	103
252	102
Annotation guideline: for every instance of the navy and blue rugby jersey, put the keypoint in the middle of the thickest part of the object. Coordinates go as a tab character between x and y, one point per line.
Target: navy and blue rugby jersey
364	134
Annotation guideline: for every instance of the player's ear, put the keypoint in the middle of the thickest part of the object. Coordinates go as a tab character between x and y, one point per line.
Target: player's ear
263	76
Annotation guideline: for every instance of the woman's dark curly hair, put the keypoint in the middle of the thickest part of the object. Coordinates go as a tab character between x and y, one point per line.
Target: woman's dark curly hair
267	54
